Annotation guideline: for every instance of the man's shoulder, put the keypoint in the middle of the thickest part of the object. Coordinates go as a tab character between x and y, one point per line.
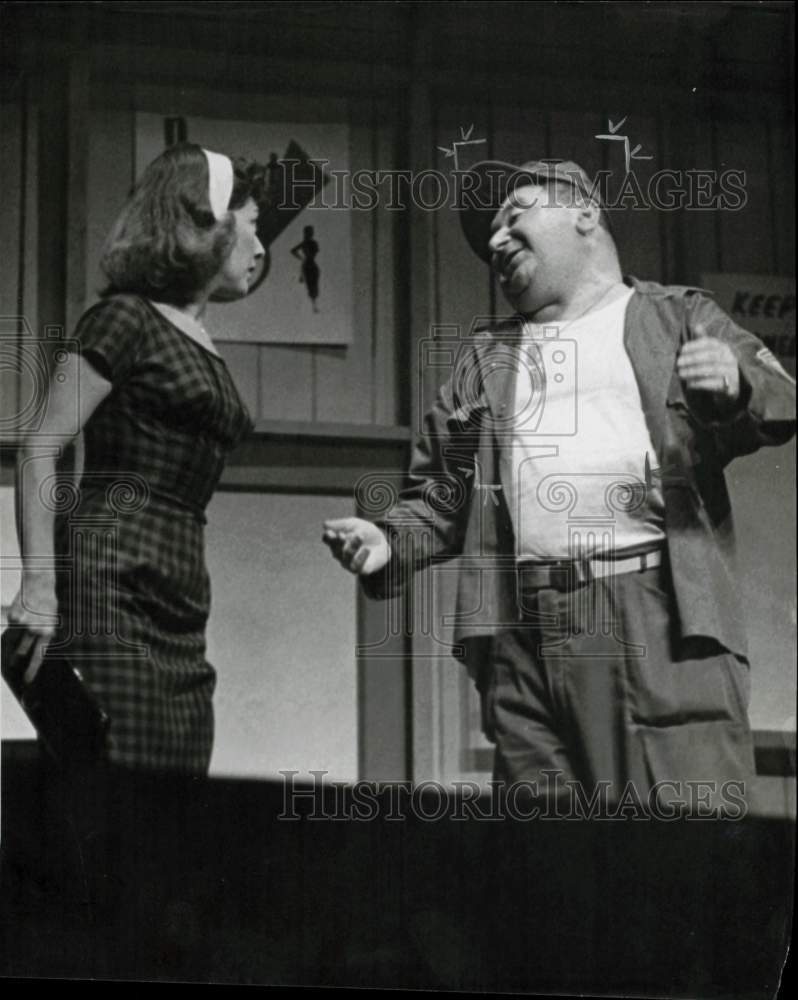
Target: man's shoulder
655	290
490	329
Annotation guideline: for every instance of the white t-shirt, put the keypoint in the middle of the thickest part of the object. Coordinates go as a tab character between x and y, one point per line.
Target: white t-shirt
579	469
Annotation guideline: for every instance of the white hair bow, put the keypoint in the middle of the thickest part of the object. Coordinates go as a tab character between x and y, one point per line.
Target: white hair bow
220	182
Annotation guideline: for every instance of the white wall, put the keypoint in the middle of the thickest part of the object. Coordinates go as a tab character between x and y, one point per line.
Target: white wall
762	489
13	722
281	636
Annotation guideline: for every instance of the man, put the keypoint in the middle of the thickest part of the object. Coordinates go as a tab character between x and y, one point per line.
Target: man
597	603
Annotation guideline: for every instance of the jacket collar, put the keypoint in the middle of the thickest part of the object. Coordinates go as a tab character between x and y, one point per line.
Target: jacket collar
651	338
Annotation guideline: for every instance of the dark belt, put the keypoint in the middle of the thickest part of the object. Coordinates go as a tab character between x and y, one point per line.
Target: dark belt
568	574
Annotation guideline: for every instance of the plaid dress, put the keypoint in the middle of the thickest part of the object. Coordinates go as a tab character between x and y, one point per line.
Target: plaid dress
133	589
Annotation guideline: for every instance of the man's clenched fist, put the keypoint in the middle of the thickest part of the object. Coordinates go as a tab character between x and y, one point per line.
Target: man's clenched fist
707	364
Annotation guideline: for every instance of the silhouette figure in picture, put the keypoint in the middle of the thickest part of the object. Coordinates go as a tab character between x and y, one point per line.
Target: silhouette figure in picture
306	251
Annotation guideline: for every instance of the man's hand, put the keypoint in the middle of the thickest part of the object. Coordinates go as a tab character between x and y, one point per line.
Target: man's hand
358	545
709	365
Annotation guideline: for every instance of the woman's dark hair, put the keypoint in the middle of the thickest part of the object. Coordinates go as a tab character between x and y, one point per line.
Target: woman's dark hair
166	243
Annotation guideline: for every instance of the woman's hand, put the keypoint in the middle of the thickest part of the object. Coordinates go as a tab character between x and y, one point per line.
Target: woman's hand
38	613
35	606
357	544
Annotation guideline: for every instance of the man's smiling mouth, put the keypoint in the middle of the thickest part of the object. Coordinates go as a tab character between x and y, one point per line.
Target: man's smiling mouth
507	265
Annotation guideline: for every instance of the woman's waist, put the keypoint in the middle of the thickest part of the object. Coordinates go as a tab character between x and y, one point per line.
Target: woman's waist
156	552
120	495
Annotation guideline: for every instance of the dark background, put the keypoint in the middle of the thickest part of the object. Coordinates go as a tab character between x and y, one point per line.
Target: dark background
204	882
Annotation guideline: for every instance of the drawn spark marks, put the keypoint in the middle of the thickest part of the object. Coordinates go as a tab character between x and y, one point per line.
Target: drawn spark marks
465	140
629	153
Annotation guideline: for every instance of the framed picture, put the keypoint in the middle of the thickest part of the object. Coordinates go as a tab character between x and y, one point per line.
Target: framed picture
302	293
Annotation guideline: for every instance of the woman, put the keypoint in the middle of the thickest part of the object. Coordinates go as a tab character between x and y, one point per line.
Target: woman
307	251
158	411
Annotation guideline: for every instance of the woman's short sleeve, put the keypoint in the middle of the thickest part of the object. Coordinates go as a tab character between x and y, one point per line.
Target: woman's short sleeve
110	336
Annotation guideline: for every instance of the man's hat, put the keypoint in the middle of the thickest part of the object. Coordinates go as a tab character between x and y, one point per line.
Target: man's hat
480	200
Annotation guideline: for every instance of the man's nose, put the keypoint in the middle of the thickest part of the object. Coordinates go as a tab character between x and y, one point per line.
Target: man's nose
259	250
498	239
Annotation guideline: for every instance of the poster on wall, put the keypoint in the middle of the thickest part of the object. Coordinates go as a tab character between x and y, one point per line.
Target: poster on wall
302	292
763	304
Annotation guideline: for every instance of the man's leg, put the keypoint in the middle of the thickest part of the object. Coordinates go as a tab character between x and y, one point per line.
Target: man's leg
542	863
603	693
668	717
522	715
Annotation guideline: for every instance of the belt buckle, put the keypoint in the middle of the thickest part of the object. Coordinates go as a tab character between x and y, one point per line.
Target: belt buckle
525	597
570	575
561	576
583	572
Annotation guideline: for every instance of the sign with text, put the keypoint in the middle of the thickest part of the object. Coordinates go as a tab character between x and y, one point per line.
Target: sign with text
763	304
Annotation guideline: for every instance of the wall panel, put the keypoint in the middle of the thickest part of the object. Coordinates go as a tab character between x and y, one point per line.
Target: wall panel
748	236
19	239
243	363
520	133
282	638
286	377
11	220
781	174
638	227
344	389
110	177
390	383
695	234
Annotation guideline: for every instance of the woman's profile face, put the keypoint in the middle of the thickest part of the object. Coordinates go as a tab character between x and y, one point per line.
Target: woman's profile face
238	270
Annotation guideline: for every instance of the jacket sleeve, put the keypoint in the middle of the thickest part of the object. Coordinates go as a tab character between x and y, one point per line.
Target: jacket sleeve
765	412
428	521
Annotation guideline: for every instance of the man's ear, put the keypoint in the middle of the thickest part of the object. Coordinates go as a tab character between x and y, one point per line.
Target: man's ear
587	218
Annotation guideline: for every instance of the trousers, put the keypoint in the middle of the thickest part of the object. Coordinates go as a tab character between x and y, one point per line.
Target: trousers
593	687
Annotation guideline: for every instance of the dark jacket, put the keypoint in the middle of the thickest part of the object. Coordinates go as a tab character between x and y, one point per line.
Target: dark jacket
440	514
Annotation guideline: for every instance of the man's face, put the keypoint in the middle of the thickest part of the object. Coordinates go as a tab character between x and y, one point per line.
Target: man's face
533	247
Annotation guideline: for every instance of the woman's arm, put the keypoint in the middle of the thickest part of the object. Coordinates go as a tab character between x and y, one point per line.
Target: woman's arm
35	604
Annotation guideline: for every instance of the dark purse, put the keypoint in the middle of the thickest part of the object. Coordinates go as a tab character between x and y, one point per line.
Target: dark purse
70	723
